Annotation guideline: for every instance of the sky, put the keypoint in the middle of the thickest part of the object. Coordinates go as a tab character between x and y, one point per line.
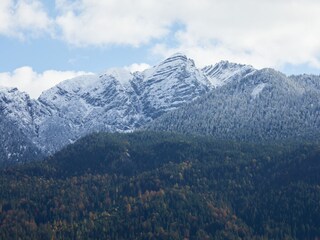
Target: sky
45	42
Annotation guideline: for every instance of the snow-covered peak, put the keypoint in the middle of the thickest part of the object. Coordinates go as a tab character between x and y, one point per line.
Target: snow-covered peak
171	65
118	100
18	107
8	95
13	92
7	89
175	59
73	85
170	84
222	72
178	54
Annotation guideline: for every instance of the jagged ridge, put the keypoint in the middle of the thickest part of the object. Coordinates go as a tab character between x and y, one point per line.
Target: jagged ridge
227	99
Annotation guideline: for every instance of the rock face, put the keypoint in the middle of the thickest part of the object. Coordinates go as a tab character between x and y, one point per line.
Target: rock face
114	101
172	83
224	72
17	126
117	100
87	104
226	99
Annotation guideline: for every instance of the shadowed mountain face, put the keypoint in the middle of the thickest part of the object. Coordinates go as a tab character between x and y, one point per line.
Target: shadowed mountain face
225	100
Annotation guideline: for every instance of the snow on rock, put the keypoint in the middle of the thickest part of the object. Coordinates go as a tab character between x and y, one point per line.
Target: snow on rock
116	100
224	71
19	108
168	85
99	103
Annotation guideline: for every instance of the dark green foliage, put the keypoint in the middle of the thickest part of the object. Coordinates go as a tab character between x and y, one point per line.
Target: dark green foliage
164	186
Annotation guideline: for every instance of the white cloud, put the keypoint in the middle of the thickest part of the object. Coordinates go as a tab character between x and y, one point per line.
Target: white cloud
266	33
93	22
137	67
18	18
27	80
262	33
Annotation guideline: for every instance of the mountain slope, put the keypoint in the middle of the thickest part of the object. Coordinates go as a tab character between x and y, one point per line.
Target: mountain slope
309	82
265	105
224	72
18	127
170	84
114	101
117	100
15	146
227	100
87	104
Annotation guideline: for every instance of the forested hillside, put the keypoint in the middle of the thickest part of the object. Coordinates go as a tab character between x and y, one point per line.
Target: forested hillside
149	185
263	106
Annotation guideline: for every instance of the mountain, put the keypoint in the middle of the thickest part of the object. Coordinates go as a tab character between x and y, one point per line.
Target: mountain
87	104
263	105
225	72
15	145
170	84
18	115
308	82
226	100
117	100
149	185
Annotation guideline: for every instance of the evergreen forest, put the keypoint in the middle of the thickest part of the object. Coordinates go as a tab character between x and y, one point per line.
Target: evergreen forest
149	185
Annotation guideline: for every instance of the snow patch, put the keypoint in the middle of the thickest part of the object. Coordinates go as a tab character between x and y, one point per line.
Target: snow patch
257	90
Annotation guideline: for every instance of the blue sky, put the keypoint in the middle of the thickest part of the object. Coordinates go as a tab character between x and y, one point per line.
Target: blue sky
46	53
44	42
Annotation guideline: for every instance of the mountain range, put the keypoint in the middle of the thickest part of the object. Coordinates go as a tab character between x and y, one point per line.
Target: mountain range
226	100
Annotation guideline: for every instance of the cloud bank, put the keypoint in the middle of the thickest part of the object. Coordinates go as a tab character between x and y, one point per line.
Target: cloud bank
263	33
23	18
266	33
27	80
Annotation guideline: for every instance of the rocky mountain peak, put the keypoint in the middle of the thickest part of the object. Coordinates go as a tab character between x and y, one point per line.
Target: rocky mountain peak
225	95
